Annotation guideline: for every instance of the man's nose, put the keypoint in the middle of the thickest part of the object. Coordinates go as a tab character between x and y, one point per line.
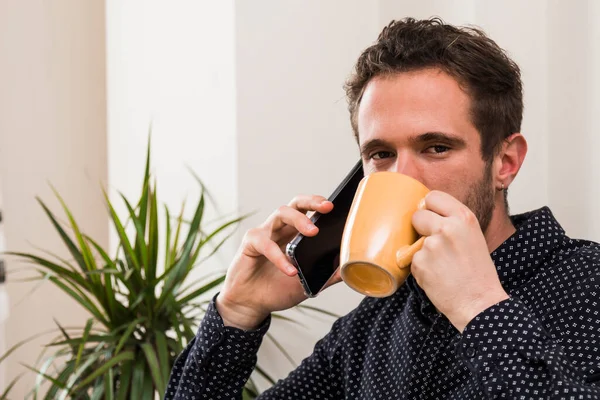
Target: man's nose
405	165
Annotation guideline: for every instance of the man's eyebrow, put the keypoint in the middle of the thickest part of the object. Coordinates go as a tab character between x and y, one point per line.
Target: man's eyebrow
370	145
447	138
442	137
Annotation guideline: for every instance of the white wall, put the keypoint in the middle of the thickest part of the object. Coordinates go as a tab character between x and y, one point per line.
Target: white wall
52	131
574	102
171	65
591	100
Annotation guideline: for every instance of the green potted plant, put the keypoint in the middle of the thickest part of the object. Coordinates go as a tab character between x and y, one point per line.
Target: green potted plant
143	311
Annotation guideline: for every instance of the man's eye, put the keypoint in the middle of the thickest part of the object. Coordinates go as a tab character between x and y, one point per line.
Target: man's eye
381	155
437	149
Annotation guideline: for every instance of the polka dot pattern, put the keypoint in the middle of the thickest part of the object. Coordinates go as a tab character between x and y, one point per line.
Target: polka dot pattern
541	343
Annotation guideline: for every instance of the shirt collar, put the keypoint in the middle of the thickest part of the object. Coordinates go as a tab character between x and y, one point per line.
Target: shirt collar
519	257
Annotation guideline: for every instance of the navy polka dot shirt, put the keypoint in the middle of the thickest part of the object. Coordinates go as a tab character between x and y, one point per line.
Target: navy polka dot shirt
541	343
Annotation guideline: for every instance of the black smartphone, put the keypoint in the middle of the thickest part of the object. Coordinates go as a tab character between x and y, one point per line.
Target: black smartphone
317	258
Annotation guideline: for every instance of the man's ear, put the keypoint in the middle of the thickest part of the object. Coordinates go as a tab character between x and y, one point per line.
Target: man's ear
509	160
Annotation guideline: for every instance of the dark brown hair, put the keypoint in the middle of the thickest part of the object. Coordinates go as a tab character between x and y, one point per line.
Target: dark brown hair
483	70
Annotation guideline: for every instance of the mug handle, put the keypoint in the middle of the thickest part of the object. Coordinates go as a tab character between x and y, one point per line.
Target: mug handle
405	254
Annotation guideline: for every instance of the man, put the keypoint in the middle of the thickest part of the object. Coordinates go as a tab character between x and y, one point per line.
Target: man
496	306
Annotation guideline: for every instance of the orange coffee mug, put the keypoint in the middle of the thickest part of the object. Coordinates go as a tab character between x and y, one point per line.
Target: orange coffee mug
379	240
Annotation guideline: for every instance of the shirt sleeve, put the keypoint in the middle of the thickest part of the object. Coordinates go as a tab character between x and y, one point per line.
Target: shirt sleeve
318	376
508	349
217	362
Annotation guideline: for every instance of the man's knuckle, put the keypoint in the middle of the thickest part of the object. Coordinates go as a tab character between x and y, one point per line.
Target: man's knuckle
297	201
417	261
467	216
251	234
431	243
447	228
281	210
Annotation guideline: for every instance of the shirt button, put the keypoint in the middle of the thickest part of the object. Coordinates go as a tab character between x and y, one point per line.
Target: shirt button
217	337
471	352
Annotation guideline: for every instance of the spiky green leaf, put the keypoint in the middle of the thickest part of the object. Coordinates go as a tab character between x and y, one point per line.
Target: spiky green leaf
125	380
112	362
153	365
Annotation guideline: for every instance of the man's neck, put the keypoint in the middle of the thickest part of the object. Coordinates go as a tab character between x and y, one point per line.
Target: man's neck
499	229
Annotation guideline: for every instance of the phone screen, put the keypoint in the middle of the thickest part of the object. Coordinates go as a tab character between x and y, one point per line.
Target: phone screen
317	257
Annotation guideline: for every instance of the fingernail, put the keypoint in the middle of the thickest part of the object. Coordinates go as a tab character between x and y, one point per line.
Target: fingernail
311	227
421	205
291	269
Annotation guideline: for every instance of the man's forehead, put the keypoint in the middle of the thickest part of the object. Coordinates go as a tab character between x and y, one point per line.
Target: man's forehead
413	103
430	86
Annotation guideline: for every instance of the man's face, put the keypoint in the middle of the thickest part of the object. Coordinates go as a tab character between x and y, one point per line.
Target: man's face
418	124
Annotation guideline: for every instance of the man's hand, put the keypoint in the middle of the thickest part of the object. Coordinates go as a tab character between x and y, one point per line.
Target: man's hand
261	279
454	267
